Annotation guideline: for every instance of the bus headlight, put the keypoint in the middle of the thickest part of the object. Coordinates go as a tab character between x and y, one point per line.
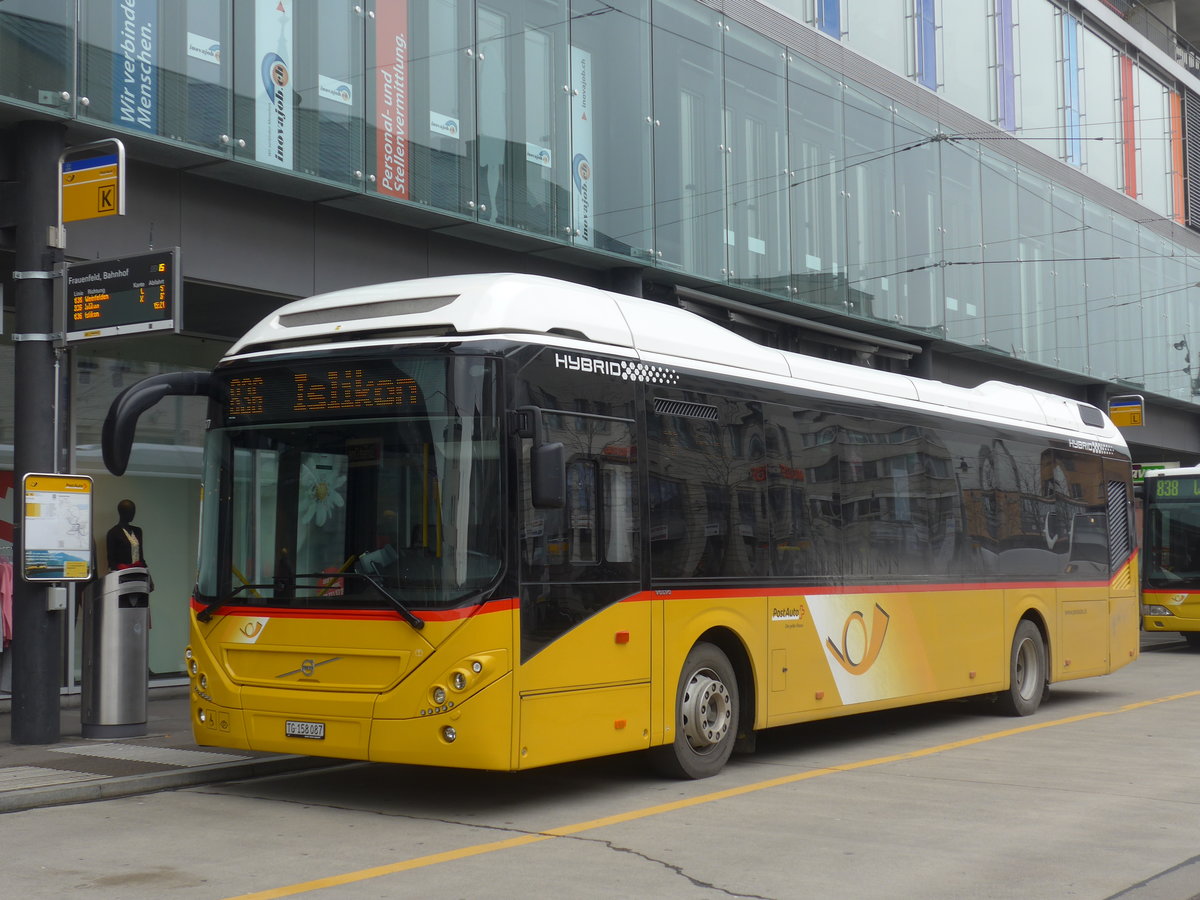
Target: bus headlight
439	695
1153	609
449	734
458	681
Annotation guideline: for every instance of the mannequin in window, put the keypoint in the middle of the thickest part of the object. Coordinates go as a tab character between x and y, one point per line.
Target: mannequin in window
125	545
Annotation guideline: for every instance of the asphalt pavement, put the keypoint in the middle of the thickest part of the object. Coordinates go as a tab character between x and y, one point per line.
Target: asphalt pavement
76	769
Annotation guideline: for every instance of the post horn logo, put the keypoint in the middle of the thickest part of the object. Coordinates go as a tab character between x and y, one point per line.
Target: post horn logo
866	649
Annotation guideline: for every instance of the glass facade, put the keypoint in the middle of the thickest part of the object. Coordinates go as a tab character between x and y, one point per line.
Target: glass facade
662	133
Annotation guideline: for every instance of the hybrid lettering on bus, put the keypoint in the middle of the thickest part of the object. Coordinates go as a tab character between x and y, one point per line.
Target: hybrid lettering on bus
502	521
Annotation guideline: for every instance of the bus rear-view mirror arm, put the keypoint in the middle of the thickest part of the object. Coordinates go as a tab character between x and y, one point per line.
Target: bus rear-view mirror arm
116	438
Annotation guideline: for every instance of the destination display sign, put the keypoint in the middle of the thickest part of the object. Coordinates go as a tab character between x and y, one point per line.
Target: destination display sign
327	389
1166	488
117	297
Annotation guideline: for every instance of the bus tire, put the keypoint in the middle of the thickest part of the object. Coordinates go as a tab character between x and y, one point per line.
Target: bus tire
707	707
1028	673
1193	639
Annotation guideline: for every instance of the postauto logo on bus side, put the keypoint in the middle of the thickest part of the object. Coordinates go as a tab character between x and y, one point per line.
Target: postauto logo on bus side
625	369
860	648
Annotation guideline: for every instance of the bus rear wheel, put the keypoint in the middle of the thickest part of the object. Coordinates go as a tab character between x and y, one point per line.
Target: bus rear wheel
1027	670
707	706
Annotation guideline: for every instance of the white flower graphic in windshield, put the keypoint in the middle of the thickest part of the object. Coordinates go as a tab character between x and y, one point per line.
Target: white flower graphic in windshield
321	489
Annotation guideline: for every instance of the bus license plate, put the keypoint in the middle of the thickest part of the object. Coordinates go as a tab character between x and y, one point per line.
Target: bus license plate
313	730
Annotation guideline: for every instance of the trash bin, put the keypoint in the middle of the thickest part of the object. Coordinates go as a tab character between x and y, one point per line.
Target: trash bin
115	675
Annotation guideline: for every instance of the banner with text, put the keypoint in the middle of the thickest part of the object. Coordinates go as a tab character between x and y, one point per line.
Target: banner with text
273	97
581	145
135	64
391	99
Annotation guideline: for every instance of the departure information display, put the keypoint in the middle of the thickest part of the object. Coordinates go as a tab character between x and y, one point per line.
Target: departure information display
130	295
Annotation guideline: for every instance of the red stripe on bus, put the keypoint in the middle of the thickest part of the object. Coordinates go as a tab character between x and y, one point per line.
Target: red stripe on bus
382	615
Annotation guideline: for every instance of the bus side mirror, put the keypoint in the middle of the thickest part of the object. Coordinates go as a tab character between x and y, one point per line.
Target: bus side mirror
547	460
548	476
116	436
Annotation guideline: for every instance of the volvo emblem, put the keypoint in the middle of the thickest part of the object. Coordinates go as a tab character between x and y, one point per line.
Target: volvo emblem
307	667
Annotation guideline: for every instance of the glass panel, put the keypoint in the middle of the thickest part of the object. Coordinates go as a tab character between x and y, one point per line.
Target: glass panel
925	68
37	51
756	161
1189	323
1128	317
962	221
423	102
967	42
1099	291
689	162
918	235
1072	151
264	108
1001	271
158	68
828	17
1032	336
1157	331
329	92
1039	82
870	205
611	126
1070	309
1154	142
817	184
523	118
880	31
1101	128
1170	297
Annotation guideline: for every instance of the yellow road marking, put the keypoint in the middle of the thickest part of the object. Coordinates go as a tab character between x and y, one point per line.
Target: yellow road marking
620	818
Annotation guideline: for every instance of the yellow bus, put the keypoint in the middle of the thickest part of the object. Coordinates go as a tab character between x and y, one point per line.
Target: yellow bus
503	521
1171	523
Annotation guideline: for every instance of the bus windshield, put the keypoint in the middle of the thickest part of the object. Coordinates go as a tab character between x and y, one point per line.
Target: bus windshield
1173	531
366	484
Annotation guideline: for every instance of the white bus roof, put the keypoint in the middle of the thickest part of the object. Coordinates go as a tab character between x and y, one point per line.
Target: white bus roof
549	311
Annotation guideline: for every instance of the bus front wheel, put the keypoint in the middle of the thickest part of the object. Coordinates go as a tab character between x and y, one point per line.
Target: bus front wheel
1027	670
707	706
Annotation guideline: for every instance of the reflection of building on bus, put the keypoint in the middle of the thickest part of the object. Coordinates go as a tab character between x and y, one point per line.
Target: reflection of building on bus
504	522
1171	546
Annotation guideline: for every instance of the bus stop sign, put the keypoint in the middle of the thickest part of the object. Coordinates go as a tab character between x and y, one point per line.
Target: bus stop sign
91	181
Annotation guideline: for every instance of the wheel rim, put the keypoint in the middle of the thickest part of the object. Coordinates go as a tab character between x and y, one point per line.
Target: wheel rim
707	710
1027	669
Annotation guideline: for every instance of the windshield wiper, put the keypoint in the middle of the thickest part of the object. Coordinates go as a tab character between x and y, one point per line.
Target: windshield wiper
219	601
405	612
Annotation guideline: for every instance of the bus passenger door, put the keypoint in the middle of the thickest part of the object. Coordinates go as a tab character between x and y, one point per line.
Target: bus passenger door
1098	604
585	633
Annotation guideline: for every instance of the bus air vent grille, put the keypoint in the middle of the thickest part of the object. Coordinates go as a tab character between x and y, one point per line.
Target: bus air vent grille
376	310
664	407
